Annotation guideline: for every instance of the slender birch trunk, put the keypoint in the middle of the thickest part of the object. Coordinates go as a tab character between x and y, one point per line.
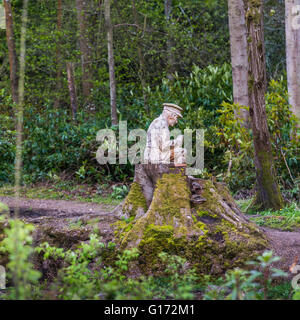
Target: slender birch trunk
58	55
85	48
142	69
111	64
170	43
17	278
72	89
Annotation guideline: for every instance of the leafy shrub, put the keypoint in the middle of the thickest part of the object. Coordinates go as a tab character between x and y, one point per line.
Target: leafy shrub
287	218
76	280
84	276
296	295
238	142
54	145
242	284
119	192
18	245
7	149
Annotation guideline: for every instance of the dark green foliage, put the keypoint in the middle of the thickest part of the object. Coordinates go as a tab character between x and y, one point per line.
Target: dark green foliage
53	144
7	149
287	219
274	27
283	133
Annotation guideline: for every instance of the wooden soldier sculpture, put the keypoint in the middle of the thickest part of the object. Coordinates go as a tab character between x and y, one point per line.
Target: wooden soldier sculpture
161	153
159	148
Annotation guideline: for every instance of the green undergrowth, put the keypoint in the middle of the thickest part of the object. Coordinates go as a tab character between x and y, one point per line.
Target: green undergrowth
94	270
286	219
244	204
98	271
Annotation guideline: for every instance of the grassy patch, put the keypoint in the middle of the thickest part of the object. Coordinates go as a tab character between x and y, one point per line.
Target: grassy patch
244	204
287	219
83	193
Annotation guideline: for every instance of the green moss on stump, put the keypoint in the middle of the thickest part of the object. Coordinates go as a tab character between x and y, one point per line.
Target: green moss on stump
170	207
135	202
213	236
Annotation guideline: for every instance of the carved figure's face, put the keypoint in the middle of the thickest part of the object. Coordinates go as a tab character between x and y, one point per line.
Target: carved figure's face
172	119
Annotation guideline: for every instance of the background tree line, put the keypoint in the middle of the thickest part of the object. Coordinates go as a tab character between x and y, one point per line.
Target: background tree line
151	41
96	62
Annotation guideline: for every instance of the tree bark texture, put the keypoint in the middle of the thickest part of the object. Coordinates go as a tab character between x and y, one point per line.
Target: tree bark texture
170	44
13	61
58	55
111	64
239	57
85	48
142	69
268	193
72	89
292	27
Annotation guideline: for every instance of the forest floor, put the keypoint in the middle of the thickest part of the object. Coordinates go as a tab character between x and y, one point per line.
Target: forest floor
67	220
76	219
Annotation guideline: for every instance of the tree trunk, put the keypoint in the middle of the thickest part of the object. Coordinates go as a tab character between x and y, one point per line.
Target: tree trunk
111	64
268	193
72	89
170	43
13	61
142	69
58	55
85	48
239	57
292	27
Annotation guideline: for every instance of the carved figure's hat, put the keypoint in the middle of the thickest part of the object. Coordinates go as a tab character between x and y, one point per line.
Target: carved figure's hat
173	108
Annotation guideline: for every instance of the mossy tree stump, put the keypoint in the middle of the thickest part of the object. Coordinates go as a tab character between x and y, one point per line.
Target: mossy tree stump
193	218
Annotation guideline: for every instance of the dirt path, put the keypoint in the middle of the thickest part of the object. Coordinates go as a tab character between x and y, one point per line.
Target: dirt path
60	208
59	217
65	223
286	245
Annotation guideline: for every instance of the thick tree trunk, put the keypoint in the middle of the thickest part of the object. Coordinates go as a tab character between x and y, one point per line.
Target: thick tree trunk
142	69
13	61
58	55
170	43
85	48
239	57
292	26
268	193
111	64
72	89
